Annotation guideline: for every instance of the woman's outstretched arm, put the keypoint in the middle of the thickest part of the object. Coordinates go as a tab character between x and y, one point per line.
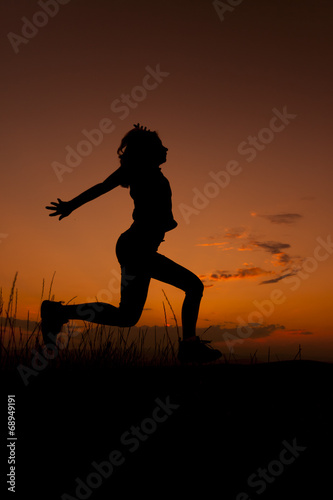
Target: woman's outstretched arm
65	208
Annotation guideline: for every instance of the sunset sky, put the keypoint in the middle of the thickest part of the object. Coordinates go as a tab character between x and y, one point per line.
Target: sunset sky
242	97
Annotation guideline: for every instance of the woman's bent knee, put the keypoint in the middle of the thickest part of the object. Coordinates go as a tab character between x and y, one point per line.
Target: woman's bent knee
195	287
201	287
129	319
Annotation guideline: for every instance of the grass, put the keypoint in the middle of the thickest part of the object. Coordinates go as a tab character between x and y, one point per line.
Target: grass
85	344
89	343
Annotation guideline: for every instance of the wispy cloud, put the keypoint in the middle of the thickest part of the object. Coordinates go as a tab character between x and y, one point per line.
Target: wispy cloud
258	331
284	218
278	278
242	240
246	273
282	259
273	247
236	232
245	247
299	332
220	245
242	273
216	244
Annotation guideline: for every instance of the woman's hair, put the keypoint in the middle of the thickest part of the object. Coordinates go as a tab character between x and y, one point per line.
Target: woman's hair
138	149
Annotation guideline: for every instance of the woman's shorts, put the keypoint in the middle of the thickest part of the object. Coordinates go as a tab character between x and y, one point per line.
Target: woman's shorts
136	247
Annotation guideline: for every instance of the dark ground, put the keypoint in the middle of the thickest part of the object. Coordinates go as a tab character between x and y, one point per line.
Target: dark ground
231	421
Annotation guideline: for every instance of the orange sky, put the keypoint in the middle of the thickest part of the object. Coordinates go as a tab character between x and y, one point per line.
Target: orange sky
244	106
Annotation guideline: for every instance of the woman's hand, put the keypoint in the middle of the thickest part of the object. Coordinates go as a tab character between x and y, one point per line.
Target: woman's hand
62	208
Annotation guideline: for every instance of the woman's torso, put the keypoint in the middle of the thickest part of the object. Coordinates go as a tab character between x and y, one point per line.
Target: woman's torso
152	195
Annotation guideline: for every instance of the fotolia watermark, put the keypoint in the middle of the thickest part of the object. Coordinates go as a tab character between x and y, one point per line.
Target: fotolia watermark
249	148
30	28
94	137
222	7
263	477
131	440
265	308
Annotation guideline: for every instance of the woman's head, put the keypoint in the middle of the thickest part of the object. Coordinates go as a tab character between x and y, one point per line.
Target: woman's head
141	147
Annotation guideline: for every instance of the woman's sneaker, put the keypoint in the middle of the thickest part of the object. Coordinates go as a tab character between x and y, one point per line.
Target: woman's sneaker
53	317
197	351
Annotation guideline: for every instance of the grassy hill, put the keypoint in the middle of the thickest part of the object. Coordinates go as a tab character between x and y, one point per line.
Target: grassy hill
227	425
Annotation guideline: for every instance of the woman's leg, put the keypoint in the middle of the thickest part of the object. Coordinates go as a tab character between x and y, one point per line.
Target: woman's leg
134	291
167	271
192	349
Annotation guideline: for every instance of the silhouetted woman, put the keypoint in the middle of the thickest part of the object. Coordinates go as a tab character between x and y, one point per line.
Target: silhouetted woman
141	153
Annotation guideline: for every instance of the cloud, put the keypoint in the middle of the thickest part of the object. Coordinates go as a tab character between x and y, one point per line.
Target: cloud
299	332
245	247
235	232
282	259
242	273
216	244
286	218
273	247
252	330
246	273
278	278
229	234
